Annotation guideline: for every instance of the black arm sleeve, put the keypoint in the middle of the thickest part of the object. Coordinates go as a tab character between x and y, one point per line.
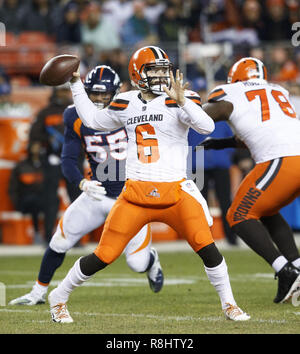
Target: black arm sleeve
219	144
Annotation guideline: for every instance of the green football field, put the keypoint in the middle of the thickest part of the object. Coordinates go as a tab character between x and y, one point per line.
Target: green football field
117	300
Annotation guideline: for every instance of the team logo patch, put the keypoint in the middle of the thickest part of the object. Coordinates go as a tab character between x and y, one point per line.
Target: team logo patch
153	193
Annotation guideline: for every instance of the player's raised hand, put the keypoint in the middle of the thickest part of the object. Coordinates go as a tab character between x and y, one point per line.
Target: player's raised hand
176	92
76	75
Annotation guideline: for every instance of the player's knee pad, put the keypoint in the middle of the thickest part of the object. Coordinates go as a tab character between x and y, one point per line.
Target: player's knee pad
59	243
111	245
138	262
107	253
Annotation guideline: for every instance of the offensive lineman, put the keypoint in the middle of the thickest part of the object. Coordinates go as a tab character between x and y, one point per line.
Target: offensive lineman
157	117
91	208
264	120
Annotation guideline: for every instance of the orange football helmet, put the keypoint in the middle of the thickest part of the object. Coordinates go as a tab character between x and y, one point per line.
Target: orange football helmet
145	59
246	69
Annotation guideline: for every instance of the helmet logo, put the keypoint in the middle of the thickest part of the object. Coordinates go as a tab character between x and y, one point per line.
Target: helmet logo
252	72
99	88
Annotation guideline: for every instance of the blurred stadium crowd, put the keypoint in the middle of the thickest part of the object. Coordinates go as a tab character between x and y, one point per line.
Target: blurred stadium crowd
202	37
108	31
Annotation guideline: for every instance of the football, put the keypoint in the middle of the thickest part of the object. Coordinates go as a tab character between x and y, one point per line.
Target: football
58	70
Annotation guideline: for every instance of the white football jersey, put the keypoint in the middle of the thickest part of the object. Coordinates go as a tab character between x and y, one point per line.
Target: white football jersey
263	118
157	130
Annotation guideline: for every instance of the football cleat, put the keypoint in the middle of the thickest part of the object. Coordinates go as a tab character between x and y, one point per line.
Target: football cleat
288	283
60	314
155	274
234	313
58	309
29	299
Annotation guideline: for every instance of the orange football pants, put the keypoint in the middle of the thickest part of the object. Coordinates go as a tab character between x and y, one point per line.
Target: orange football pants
266	189
125	219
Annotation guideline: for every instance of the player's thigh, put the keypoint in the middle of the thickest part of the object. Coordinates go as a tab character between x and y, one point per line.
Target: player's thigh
107	205
137	251
80	218
124	221
266	189
282	185
191	221
84	215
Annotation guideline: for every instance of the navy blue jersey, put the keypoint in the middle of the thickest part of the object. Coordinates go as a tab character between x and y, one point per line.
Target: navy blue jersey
106	153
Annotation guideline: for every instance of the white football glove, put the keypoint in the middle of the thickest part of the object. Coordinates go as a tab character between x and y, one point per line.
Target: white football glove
93	189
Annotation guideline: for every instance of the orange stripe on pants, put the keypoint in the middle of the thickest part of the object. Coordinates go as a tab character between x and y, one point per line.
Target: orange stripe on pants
263	192
125	219
146	242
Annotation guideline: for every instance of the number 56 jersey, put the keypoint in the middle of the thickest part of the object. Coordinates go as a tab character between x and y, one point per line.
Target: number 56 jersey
262	117
106	153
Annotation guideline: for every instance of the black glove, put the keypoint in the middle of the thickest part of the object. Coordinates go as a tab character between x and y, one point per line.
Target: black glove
218	144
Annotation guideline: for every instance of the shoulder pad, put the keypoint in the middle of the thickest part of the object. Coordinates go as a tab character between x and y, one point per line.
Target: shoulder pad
70	115
118	104
279	87
192	95
170	102
216	94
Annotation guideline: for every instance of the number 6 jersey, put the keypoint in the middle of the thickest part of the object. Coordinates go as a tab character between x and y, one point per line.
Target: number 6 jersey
262	117
157	130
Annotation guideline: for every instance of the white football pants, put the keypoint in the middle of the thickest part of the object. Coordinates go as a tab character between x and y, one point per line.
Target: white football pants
85	215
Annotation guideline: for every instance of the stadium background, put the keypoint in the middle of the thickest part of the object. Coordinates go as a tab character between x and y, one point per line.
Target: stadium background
202	37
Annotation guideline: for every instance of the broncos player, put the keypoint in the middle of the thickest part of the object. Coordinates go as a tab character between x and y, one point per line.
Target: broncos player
91	208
